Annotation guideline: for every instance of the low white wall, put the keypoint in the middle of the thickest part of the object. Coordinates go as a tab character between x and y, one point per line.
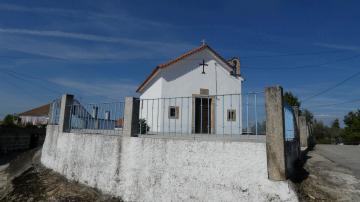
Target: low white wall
150	169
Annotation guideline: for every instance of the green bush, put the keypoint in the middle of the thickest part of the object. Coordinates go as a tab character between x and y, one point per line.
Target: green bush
144	128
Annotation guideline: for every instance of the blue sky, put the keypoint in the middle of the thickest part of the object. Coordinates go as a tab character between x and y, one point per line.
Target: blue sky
102	50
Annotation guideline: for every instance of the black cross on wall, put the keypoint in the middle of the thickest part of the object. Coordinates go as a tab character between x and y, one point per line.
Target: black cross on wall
203	66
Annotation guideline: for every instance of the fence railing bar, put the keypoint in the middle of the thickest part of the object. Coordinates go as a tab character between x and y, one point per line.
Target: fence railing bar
205	96
239	115
201	115
188	118
208	116
152	115
231	118
176	116
256	121
169	114
247	114
181	115
163	118
157	115
223	111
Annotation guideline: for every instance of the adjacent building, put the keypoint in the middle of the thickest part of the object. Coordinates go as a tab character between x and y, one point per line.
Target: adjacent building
37	116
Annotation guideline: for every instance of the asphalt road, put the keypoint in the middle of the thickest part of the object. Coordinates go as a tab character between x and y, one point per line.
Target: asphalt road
347	156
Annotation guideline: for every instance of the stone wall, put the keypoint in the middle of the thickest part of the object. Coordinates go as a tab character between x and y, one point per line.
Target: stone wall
157	169
16	138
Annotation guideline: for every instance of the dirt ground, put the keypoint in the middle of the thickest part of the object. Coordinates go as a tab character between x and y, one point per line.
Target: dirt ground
325	180
37	183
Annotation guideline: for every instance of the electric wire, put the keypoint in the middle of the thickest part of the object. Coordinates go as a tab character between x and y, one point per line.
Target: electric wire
332	87
334	104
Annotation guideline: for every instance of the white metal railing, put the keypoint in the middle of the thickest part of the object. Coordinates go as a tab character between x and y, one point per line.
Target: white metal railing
226	114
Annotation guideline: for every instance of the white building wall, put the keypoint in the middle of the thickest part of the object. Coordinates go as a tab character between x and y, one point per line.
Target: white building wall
150	104
34	120
180	82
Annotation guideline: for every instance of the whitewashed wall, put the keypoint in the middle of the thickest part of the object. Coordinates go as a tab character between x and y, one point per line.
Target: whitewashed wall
34	120
183	79
148	169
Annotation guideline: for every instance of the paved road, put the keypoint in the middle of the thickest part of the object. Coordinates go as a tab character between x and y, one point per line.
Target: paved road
347	156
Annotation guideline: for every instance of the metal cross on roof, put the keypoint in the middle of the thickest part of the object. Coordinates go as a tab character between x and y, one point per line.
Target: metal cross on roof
203	66
203	42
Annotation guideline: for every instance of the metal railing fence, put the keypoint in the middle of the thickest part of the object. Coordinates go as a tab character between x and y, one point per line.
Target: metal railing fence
102	118
228	114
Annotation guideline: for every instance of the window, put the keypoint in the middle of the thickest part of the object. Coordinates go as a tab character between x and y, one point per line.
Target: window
173	112
231	115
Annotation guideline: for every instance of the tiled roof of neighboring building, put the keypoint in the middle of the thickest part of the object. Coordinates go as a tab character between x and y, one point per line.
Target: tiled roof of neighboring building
39	111
191	52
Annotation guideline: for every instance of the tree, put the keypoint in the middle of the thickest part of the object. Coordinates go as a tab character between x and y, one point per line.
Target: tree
335	124
335	131
291	99
321	132
9	120
308	115
144	128
352	128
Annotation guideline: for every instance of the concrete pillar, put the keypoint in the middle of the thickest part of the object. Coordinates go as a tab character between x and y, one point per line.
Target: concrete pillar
296	114
275	133
304	131
131	116
64	118
297	132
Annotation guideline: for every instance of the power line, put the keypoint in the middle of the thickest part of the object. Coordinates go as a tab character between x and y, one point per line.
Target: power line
332	87
292	54
11	83
340	103
13	75
307	65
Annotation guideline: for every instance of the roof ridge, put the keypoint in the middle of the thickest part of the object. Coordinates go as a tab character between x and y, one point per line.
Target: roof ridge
190	52
164	65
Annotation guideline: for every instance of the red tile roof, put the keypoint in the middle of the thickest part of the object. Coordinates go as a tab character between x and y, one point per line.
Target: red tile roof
39	111
162	66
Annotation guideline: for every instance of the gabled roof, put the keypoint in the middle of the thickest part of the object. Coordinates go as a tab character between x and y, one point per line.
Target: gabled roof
39	111
185	55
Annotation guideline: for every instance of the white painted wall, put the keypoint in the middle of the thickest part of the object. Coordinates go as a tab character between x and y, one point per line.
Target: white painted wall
183	79
148	169
34	120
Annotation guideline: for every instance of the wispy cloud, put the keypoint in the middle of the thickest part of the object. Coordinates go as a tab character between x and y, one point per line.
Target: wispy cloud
52	41
99	88
14	7
127	48
338	46
87	37
121	17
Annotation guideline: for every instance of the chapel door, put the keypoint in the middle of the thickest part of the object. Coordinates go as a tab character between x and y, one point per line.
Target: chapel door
203	115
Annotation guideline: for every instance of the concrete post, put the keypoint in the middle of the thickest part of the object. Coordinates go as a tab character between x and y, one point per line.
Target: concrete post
304	132
131	116
64	118
296	114
275	133
297	131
